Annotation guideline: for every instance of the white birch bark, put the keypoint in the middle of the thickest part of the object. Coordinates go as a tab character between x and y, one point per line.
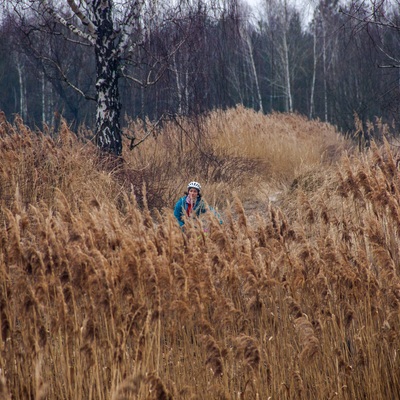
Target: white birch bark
288	89
312	107
325	69
43	98
279	11
23	109
108	129
254	71
178	84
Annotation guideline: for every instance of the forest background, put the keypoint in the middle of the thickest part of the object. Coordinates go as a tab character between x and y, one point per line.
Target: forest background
330	66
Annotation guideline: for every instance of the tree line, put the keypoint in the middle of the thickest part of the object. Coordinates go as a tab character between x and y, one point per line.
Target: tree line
153	59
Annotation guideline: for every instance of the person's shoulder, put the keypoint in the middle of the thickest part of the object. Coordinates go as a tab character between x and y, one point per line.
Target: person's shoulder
181	199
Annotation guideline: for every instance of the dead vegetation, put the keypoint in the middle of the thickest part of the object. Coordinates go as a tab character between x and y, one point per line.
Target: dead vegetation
105	298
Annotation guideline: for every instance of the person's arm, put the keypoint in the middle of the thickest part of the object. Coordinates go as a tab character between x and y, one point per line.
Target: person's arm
216	213
178	212
203	208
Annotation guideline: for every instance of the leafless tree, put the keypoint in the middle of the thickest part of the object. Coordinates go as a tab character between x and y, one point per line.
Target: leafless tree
279	16
118	31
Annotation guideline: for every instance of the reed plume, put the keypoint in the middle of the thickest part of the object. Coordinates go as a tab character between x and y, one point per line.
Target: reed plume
213	355
103	295
308	341
248	350
157	386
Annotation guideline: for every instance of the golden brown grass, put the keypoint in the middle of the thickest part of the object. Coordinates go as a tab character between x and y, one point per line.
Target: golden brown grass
103	299
238	149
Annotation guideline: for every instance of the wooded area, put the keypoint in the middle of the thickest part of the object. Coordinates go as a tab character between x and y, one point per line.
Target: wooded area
189	57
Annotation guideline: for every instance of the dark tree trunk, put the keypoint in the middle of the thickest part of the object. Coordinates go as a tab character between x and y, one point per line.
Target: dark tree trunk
108	129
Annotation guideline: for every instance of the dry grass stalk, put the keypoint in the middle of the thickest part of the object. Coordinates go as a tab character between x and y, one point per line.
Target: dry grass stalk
106	298
4	393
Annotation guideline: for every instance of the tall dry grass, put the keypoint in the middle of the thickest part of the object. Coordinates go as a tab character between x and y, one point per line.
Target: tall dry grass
235	150
104	299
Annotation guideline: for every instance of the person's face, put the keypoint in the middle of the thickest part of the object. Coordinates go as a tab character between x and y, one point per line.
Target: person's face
193	193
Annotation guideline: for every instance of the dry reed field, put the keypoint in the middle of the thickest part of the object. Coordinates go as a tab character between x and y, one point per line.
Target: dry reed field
104	297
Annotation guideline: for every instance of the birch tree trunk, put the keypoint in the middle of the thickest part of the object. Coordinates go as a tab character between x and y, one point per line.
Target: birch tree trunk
178	85
280	13
288	89
324	62
108	129
286	59
314	74
43	99
253	67
23	109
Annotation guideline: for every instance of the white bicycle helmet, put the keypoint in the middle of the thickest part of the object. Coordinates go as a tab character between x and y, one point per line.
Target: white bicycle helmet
195	185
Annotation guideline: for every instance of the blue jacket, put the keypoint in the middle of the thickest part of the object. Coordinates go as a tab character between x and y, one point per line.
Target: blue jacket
181	208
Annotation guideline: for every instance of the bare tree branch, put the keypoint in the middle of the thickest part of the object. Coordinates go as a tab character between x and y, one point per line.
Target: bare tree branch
397	65
90	37
128	25
85	21
66	80
370	19
148	133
